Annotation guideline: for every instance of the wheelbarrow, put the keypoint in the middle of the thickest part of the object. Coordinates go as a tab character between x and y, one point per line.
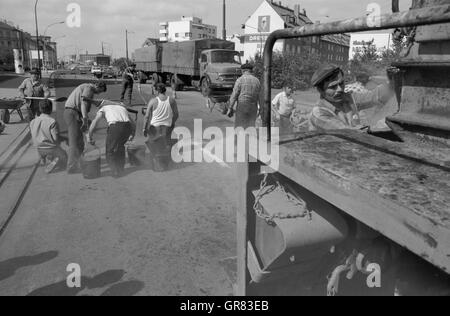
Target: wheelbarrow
8	106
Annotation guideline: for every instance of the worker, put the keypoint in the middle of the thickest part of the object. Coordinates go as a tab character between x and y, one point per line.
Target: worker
121	129
246	95
283	105
337	109
76	117
127	84
33	87
45	135
161	116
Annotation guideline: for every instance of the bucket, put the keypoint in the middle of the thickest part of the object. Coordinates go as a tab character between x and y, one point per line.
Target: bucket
91	163
159	154
136	154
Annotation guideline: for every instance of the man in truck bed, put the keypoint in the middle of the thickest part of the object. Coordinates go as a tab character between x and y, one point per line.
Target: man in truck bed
337	109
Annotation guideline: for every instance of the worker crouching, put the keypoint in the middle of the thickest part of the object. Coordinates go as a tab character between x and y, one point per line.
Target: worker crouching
121	129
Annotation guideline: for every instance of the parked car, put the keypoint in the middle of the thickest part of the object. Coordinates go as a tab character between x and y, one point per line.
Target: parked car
109	73
97	71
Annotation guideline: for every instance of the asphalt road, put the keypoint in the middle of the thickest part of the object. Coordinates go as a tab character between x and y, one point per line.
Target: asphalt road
147	233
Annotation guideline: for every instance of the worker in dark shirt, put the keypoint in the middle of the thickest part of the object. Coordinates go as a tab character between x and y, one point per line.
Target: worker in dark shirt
127	84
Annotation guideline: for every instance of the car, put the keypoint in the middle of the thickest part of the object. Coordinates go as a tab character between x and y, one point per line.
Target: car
109	73
97	71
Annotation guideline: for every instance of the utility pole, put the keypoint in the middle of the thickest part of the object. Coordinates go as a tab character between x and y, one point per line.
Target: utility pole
126	42
224	30
103	49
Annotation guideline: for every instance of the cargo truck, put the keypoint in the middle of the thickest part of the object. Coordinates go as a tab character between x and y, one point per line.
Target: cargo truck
212	65
355	213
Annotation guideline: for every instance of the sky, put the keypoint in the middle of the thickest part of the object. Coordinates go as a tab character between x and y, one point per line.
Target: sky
106	20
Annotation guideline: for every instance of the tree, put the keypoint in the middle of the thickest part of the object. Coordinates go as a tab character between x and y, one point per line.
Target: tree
121	63
295	69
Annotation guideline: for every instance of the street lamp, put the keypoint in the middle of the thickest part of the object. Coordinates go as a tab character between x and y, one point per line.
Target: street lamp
45	41
37	38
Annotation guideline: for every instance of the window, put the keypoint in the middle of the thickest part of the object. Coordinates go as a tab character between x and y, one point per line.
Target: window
188	35
204	58
177	34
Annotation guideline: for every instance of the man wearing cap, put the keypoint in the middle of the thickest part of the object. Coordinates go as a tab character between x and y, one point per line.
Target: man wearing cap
337	109
33	87
127	83
76	112
246	94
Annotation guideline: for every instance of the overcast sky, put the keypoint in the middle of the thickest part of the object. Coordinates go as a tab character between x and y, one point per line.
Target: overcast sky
106	20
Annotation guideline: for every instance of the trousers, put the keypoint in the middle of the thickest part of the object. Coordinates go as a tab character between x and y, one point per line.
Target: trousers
118	134
76	140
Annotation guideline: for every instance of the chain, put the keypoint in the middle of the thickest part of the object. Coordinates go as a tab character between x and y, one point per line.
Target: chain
266	189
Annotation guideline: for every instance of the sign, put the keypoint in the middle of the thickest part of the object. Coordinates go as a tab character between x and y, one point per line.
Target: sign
264	24
254	38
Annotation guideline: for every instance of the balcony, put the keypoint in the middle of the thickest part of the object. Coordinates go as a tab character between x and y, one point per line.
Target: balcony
163	32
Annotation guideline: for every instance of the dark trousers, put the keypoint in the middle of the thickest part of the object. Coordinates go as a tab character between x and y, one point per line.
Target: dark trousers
127	91
76	140
285	125
118	135
52	153
246	114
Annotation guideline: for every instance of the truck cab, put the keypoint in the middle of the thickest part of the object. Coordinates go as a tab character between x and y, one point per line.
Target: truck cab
219	70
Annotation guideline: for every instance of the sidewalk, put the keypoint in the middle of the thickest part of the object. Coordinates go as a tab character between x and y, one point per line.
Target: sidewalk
15	134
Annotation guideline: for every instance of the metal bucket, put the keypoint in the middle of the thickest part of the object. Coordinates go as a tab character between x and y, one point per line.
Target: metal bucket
136	154
91	163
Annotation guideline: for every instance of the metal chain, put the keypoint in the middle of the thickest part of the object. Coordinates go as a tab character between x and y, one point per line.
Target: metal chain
267	189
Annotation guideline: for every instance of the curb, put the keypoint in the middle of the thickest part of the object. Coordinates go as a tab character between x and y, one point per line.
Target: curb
12	149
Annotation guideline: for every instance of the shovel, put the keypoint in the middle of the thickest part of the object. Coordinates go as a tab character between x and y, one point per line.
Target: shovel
62	99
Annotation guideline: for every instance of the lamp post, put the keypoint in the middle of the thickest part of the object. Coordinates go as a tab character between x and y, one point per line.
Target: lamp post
44	40
37	38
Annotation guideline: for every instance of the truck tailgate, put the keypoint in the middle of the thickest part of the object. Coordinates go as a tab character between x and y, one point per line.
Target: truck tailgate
380	183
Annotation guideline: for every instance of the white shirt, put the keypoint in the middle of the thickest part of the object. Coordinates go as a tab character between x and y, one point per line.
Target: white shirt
162	114
286	104
114	113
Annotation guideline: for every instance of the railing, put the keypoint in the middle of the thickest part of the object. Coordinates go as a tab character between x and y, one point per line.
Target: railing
418	17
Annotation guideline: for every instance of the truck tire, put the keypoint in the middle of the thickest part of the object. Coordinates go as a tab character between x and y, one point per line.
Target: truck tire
205	87
157	78
4	116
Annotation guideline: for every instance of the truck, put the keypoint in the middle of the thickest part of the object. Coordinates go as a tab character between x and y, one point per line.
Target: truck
350	212
212	65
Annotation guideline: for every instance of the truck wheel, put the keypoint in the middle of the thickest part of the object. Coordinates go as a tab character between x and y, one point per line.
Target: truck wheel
175	85
205	87
4	116
156	79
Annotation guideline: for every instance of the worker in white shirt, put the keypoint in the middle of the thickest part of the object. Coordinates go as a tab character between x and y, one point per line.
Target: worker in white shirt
121	129
283	105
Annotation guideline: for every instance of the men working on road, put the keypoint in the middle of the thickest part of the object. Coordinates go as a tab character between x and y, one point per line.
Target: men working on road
33	87
78	106
121	129
246	95
127	84
337	109
45	134
283	105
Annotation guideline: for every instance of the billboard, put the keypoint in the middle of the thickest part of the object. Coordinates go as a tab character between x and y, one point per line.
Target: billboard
264	24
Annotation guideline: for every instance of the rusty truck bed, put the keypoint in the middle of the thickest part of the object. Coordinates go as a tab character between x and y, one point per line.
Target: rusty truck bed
383	184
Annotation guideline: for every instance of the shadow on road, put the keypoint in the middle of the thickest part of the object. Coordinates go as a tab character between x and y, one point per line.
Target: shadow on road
109	278
9	267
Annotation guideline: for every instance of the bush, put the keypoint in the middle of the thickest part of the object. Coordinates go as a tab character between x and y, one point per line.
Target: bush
289	68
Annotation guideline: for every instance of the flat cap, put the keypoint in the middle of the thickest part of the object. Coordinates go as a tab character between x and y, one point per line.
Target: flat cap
325	71
247	66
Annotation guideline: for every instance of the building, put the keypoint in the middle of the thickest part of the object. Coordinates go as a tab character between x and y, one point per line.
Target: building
271	16
12	39
95	59
237	40
382	42
188	28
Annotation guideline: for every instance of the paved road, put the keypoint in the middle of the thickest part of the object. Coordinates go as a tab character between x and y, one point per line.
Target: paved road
147	233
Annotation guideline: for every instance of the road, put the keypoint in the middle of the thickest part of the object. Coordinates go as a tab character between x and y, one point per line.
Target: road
147	233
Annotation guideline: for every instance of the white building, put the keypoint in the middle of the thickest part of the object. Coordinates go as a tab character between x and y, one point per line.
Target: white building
188	28
269	17
382	41
238	45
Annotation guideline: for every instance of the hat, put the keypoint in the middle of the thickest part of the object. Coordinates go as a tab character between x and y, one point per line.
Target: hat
34	71
247	66
325	71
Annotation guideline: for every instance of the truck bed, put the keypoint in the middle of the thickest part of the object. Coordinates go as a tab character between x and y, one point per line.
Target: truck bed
401	192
